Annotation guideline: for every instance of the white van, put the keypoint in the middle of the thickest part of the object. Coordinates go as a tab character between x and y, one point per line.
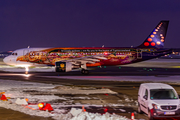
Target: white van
158	100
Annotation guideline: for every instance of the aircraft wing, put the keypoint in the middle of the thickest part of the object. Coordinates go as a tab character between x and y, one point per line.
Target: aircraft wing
88	59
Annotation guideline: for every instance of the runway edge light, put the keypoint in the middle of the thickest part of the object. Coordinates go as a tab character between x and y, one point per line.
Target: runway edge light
45	106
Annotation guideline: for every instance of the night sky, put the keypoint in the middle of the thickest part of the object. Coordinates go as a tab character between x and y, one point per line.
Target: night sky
85	23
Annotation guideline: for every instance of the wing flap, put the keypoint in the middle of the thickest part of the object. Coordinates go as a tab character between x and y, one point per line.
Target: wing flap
87	59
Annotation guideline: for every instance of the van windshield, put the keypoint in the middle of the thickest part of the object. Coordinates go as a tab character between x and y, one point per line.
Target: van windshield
162	94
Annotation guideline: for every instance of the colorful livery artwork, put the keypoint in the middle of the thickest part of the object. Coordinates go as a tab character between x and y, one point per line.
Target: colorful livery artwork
66	59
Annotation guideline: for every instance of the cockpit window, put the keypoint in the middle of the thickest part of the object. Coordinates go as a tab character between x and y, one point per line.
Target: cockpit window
14	54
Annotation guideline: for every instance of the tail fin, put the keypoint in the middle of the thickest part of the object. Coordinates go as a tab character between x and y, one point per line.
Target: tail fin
157	37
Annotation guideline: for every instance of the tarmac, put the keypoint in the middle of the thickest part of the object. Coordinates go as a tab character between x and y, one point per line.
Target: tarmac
7	114
123	88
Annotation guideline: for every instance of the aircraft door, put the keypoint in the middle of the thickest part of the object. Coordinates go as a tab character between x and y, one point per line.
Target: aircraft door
25	52
139	53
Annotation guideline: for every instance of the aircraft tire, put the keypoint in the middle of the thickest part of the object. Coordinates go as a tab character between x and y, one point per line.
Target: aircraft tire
85	72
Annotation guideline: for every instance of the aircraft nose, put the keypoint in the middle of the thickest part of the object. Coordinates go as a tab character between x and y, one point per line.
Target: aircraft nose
5	60
9	60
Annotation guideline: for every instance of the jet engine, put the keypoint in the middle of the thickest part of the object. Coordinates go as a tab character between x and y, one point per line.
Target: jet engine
63	66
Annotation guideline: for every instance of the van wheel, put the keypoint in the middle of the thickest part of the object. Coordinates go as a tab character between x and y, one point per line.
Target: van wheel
150	116
139	109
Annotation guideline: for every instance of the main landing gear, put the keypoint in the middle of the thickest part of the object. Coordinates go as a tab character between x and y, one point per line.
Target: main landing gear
84	68
85	72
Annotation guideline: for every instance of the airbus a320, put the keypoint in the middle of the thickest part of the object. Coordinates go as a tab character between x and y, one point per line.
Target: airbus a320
67	59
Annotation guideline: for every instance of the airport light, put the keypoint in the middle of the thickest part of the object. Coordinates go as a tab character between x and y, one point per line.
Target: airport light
105	109
40	105
27	99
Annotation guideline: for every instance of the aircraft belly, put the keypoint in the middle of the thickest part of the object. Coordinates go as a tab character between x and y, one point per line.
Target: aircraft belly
112	61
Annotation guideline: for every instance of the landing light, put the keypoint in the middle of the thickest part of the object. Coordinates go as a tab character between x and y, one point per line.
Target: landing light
26	75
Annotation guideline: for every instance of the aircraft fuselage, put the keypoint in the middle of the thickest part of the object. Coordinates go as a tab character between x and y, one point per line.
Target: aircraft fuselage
115	56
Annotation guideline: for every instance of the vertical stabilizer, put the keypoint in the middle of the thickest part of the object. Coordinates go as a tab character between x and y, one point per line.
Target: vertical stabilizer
157	37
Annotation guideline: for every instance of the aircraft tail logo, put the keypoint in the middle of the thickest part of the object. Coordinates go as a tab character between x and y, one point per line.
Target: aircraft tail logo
157	37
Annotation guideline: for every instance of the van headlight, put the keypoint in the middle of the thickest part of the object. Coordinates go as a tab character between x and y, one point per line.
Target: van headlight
156	106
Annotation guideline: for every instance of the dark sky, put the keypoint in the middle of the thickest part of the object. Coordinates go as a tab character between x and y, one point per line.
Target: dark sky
85	23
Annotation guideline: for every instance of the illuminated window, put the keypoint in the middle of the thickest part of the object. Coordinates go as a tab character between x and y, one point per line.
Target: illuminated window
154	32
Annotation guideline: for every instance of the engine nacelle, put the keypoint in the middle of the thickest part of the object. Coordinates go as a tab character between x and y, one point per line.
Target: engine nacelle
63	66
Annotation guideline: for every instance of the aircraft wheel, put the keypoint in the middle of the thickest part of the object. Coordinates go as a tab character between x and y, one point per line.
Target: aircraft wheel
85	72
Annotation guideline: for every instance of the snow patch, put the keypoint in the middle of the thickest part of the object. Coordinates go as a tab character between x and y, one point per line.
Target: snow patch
21	101
18	89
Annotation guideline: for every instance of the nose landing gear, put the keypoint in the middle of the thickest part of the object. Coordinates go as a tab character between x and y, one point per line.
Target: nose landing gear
26	70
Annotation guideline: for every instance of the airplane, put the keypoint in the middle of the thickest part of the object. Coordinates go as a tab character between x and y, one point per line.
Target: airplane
68	59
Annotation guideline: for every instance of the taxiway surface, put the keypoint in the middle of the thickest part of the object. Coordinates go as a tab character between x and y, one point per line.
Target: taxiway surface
124	80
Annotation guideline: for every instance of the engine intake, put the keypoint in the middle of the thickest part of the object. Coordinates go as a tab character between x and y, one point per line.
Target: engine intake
63	66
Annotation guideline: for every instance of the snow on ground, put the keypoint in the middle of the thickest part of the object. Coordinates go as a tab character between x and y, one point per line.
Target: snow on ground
19	89
22	69
161	63
123	78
